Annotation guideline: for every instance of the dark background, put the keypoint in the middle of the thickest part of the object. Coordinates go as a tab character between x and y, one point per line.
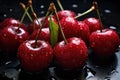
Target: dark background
110	14
109	9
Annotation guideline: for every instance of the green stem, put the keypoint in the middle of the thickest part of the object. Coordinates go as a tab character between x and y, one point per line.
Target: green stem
59	24
98	13
23	16
86	12
26	11
40	27
58	1
30	18
32	8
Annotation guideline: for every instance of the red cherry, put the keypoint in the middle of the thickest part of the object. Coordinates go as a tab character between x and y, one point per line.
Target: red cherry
84	32
47	21
12	22
70	27
44	34
93	23
66	13
71	55
11	38
105	43
35	25
35	59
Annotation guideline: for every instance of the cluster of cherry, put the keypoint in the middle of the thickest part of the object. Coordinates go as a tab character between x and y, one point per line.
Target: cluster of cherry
59	35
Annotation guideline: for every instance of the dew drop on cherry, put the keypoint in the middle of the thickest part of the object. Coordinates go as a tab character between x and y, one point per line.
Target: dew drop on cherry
93	44
4	35
81	28
16	37
20	39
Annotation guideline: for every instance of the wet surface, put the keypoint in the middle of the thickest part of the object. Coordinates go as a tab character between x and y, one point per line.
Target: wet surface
94	69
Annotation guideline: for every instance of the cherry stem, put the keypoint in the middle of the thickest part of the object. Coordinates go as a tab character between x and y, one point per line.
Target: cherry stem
86	12
32	10
36	18
55	10
26	10
58	1
23	16
40	28
98	13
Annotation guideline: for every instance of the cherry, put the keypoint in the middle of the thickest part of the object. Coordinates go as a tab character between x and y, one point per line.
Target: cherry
105	43
84	31
71	55
35	59
93	24
11	38
12	22
69	26
66	13
35	25
44	35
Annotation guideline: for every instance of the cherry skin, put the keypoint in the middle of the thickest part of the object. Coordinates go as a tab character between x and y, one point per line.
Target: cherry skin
93	23
11	38
12	22
35	25
70	27
84	31
47	21
66	13
72	55
35	59
44	35
105	43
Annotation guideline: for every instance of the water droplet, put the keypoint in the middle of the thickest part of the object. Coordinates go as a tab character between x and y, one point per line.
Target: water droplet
89	74
42	12
42	6
4	35
119	46
107	11
52	78
79	14
46	55
20	39
81	28
8	62
5	15
93	44
112	27
31	55
74	5
10	10
16	37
